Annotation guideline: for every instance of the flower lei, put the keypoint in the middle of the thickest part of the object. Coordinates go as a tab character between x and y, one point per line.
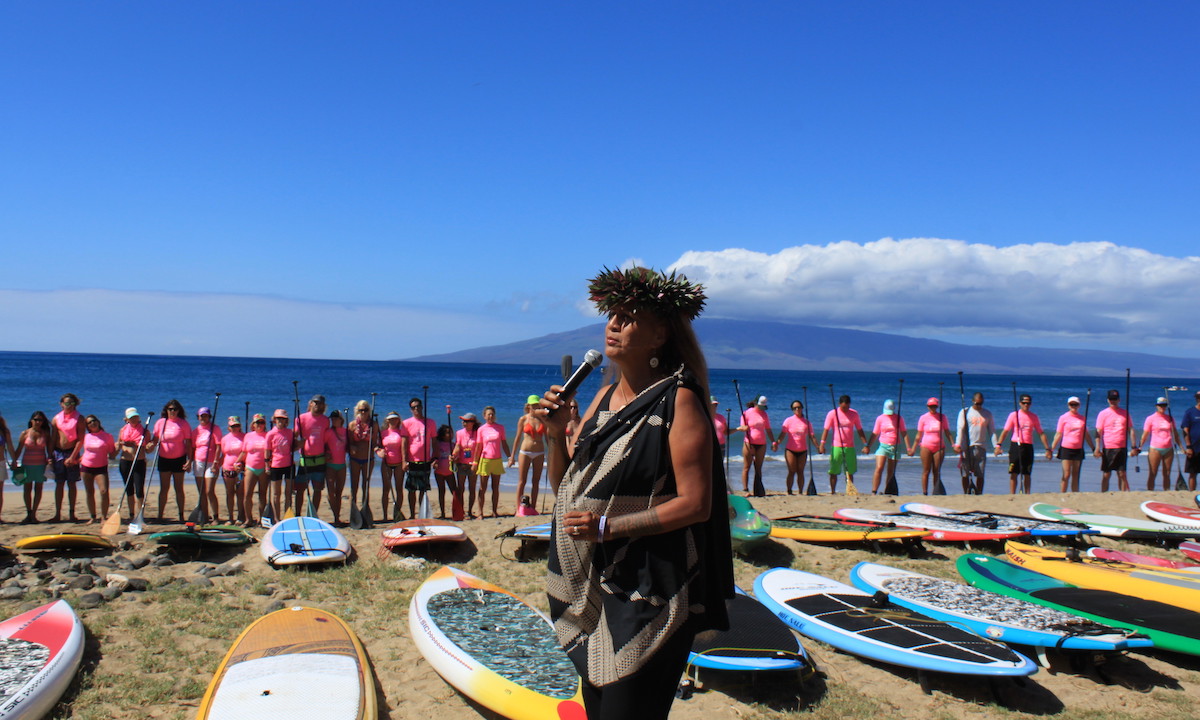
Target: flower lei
645	289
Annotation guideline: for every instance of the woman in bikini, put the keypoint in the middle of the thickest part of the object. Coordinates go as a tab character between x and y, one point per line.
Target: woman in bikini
361	440
531	450
32	451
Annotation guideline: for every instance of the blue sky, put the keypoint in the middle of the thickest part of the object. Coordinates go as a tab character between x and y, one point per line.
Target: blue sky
389	179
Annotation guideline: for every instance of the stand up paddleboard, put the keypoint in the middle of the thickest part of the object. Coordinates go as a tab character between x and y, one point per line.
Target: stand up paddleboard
1169	627
748	528
756	640
819	529
1115	525
529	536
304	540
297	662
1190	549
991	615
414	533
999	521
940	529
1119	556
1168	513
494	648
39	654
65	541
870	626
200	537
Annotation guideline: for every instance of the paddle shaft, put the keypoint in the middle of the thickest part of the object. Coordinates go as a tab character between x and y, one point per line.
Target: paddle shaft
1130	434
812	484
967	455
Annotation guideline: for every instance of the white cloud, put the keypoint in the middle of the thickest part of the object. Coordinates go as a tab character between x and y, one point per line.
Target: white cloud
89	320
1087	293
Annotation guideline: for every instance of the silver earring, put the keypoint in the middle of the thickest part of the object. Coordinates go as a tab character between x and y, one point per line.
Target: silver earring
653	362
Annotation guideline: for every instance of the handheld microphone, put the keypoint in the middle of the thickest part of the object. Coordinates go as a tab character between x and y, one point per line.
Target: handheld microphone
591	361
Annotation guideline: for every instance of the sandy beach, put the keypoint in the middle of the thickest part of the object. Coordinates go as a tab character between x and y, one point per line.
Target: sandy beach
151	654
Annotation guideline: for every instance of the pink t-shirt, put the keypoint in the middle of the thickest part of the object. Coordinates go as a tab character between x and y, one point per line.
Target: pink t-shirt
418	431
391	440
96	448
442	450
930	429
721	428
466	444
885	428
756	421
254	444
1160	425
312	433
1072	426
202	437
1029	425
173	436
279	441
491	435
1113	426
335	445
797	430
69	421
231	447
847	421
132	434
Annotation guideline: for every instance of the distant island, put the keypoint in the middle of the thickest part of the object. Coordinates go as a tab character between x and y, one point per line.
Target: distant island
784	346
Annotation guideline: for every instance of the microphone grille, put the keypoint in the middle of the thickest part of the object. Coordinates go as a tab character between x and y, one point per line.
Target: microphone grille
593	358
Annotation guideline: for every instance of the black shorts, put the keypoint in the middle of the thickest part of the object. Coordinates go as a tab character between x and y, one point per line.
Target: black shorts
283	473
134	474
1070	453
62	471
313	466
417	477
1192	465
1020	459
1114	460
171	465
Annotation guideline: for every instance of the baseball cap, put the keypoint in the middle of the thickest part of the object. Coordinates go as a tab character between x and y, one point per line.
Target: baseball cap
280	413
1073	400
932	401
1160	401
131	412
1114	395
889	407
468	416
762	401
204	411
533	400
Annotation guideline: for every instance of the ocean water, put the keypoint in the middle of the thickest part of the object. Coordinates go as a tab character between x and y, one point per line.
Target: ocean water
107	384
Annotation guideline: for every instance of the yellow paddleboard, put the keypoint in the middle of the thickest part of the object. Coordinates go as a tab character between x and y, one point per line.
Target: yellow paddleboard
1178	588
297	662
816	529
64	541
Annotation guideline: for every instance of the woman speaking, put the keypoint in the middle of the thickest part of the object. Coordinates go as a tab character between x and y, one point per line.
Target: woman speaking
641	556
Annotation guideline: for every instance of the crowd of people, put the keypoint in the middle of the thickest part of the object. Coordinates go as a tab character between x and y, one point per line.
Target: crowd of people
275	464
1113	439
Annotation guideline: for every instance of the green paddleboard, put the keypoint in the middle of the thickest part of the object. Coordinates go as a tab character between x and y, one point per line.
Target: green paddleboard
209	535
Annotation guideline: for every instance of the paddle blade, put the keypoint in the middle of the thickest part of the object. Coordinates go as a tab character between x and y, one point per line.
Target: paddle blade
397	513
891	487
850	489
425	513
268	516
1179	483
198	516
289	514
136	524
367	520
812	488
112	525
938	488
356	518
310	509
759	490
456	508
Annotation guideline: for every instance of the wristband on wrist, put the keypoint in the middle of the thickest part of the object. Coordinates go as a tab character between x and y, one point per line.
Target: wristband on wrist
600	528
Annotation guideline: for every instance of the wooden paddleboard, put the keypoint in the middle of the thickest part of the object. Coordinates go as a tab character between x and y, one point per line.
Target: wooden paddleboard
39	654
295	663
421	532
304	540
990	615
858	623
65	541
494	648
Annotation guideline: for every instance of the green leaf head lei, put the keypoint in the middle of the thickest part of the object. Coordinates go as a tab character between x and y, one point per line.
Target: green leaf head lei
644	289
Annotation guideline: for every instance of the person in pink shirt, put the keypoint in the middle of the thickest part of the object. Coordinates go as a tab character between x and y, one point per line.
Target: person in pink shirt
891	432
335	464
67	443
98	448
844	422
133	441
206	441
443	470
281	443
228	459
1069	438
491	447
311	427
422	432
933	435
393	450
253	457
173	437
464	459
757	426
796	431
1021	425
1162	433
1114	431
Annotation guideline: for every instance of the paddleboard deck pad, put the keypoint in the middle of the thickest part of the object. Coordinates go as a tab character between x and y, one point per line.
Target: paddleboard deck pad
293	663
40	651
991	615
1169	627
871	627
756	640
304	540
494	648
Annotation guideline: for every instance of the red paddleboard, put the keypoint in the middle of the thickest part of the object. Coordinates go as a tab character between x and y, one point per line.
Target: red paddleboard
418	532
1191	549
1105	554
1168	513
41	650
